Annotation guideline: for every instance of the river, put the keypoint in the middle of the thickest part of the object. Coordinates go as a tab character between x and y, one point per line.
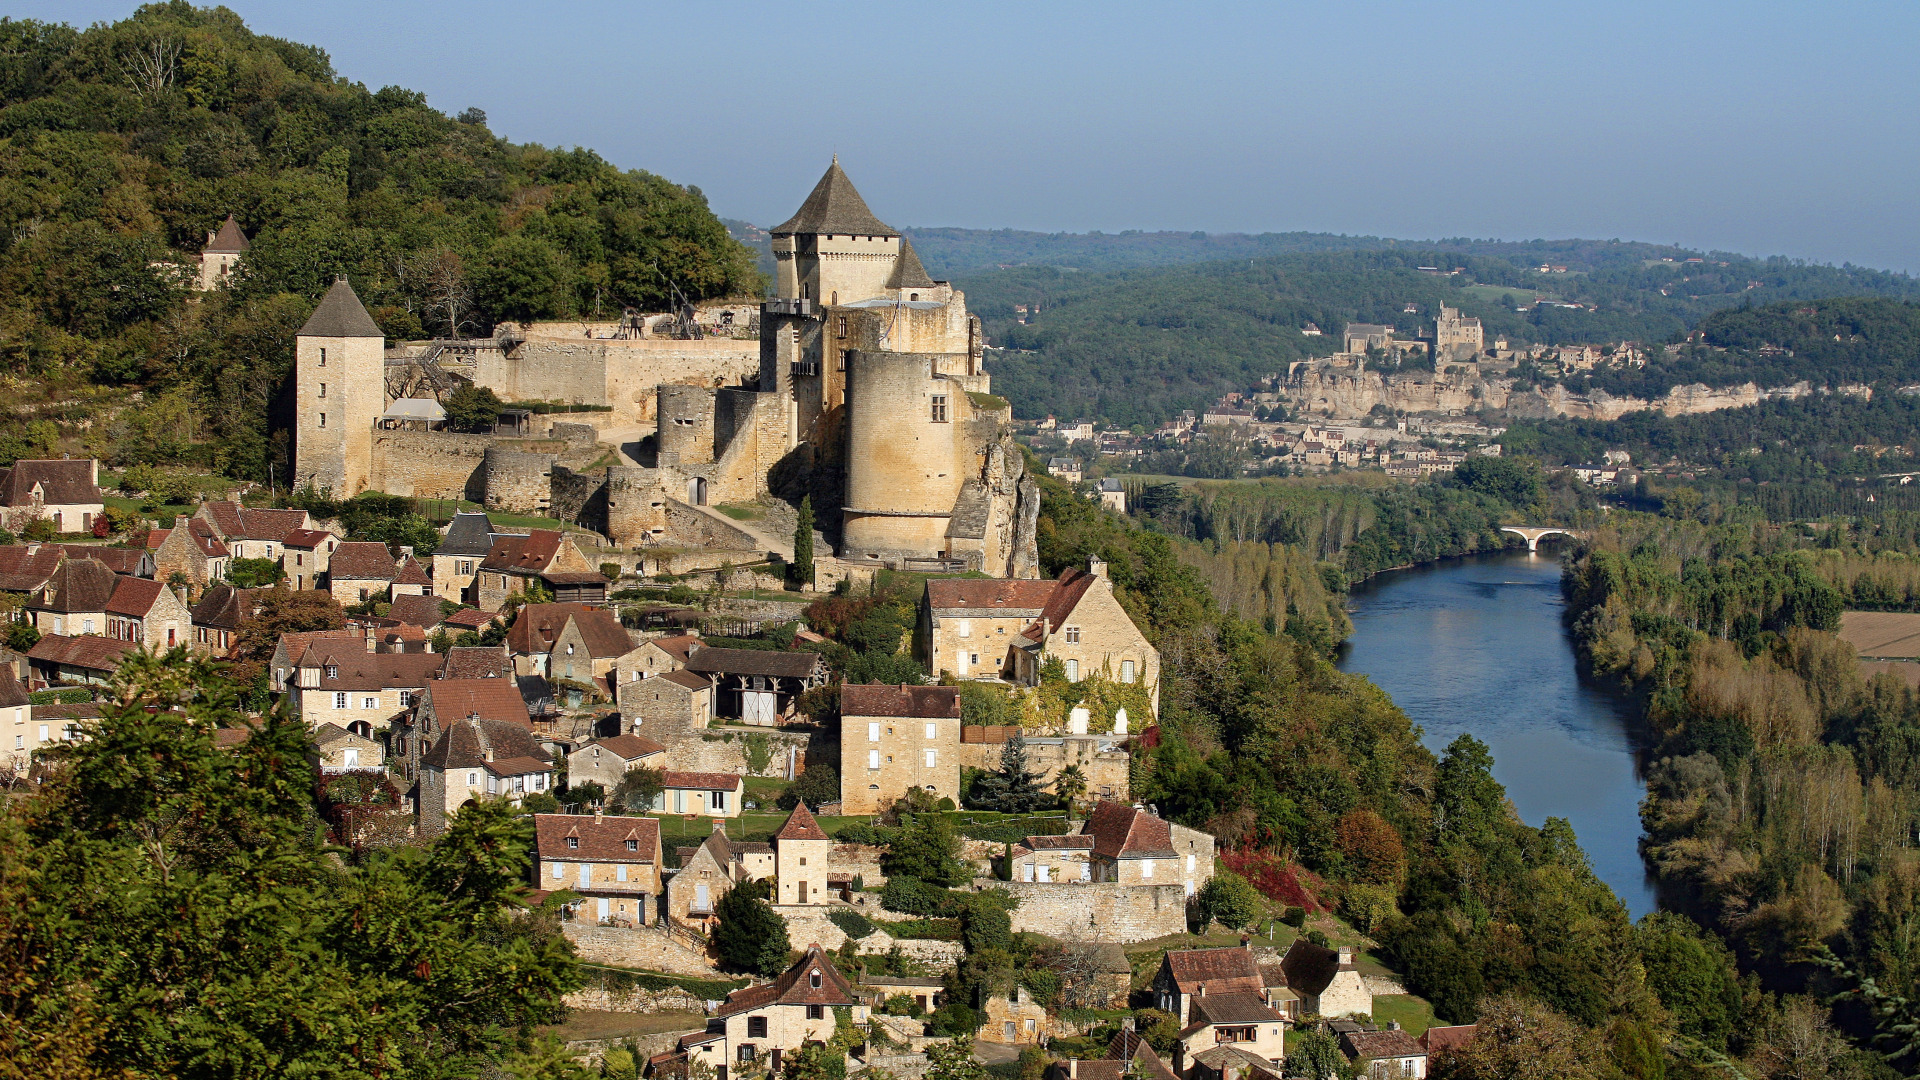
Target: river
1477	645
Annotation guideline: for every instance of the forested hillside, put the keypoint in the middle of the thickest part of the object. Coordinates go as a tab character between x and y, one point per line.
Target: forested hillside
1137	346
122	145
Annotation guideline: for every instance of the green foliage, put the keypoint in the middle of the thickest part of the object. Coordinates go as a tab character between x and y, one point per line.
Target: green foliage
1315	1055
816	1061
1229	900
953	1060
817	786
1514	480
926	849
802	568
984	925
1693	976
851	923
751	936
21	637
473	408
758	751
1014	788
639	789
911	896
988	705
254	573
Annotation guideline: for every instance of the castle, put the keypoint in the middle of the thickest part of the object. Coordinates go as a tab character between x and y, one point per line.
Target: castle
867	393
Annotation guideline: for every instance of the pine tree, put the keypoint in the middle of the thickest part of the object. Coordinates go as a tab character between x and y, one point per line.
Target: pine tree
1014	789
751	934
803	545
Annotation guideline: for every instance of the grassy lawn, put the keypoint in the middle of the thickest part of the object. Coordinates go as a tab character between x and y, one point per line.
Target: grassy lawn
738	512
1492	293
163	514
1414	1014
583	1024
765	789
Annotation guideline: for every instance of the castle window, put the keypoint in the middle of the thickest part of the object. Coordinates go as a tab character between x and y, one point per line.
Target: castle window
323	419
841	323
323	389
843	359
939	408
323	358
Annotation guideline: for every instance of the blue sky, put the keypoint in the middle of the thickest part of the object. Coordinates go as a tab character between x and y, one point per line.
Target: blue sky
1763	128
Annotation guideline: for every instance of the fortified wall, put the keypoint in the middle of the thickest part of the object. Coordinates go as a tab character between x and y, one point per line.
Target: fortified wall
620	374
1106	910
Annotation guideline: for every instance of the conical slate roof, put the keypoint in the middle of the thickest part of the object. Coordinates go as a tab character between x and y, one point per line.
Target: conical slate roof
341	314
834	208
907	271
229	240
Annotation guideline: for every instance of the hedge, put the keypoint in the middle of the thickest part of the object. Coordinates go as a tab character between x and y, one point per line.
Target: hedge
616	980
75	695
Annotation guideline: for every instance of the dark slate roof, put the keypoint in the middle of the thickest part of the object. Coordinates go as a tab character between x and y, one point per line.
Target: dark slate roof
1237	1007
920	702
602	839
470	534
229	240
788	664
1309	967
63	481
464	744
1121	832
834	208
795	987
801	826
79	585
908	273
341	315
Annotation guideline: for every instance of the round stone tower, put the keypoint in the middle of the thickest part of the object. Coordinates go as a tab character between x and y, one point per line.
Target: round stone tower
903	467
686	424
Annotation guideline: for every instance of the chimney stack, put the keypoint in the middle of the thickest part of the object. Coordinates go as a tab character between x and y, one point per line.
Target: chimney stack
1096	566
1073	1069
598	813
1346	956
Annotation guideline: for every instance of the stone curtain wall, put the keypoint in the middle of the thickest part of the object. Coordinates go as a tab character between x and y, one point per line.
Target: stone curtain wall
651	949
634	368
518	480
1106	910
430	464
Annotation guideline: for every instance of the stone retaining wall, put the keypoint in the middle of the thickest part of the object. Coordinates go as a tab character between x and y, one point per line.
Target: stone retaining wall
651	949
1118	912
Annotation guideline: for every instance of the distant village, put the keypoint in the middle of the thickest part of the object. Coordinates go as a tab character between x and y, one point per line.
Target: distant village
670	754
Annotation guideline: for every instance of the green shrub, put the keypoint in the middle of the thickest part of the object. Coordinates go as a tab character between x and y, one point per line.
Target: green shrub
859	832
911	896
1295	917
851	923
68	696
925	929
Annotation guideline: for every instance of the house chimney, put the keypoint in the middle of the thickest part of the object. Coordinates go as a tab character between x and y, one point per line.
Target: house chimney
1096	566
1346	956
598	814
1073	1069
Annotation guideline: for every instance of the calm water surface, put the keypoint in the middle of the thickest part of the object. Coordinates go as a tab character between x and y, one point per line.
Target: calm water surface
1476	645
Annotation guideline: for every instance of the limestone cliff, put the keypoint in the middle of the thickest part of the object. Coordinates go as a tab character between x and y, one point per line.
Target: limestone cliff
1341	393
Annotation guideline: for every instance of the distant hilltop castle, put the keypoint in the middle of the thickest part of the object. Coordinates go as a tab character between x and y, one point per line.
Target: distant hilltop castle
866	391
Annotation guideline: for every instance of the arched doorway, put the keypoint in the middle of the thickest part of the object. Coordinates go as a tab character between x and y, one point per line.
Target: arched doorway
361	728
697	490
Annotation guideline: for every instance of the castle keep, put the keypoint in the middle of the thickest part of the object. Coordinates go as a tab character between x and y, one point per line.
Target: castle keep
865	390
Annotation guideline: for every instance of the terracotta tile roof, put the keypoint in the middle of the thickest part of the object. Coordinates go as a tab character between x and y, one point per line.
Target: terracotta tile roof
531	553
602	840
423	611
465	742
411	573
1374	1045
120	560
687	679
297	643
468	618
1121	832
801	826
476	662
678	646
1059	843
224	607
203	538
1310	968
61	482
360	561
629	747
795	987
1003	597
89	652
1221	1058
309	539
772	662
518	765
573	577
22	570
134	596
538	626
704	781
1229	970
1233	1007
156	537
1129	1046
272	524
1072	585
225	517
496	700
357	669
920	702
1450	1037
85	710
12	694
78	585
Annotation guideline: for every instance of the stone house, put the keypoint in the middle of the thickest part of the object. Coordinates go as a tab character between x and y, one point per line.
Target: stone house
26	568
358	571
759	1025
612	862
1327	980
16	712
801	851
967	626
895	738
221	255
1240	1020
475	758
655	656
757	686
709	870
1142	873
292	648
253	533
1053	858
1065	468
605	761
190	550
574	642
338	750
1113	496
673	702
74	599
147	613
127	561
410	579
89	660
1014	1018
468	540
65	492
449	698
340	682
1188	975
1134	847
1128	1055
706	794
513	560
1443	1038
304	556
1385	1055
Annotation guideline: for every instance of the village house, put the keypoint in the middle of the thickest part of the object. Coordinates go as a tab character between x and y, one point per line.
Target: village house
130	562
1103	760
606	761
291	649
1236	1020
801	851
221	255
612	862
1327	980
709	870
253	533
758	686
1385	1055
340	682
409	579
1064	468
338	750
74	599
672	702
1113	496
574	642
475	758
1134	847
1128	1056
450	698
26	568
514	560
967	626
16	712
759	1025
64	493
358	571
897	738
148	614
456	560
189	553
1013	1018
90	660
655	656
705	794
304	556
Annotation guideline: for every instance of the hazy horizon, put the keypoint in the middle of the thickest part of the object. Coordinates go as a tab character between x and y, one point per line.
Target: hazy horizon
1762	129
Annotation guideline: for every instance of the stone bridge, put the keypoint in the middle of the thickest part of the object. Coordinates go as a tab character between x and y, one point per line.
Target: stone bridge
1533	535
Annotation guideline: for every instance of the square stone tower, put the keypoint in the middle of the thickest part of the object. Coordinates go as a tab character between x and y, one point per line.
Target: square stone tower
221	255
339	362
800	853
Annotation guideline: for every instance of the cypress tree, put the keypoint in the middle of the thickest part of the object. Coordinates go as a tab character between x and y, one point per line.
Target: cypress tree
803	545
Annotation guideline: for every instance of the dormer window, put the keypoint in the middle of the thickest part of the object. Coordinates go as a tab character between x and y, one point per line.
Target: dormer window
333	672
633	845
813	978
573	841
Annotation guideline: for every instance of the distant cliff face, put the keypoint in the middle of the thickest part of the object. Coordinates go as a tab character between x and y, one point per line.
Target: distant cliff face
1346	394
